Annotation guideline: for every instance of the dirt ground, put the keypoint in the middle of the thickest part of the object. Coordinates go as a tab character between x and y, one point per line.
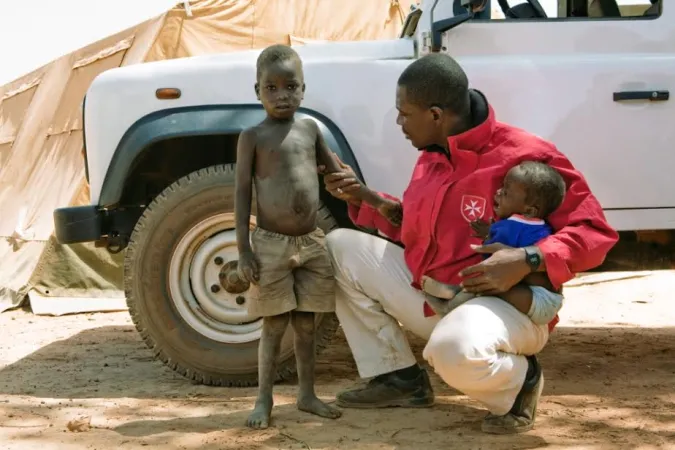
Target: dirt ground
610	383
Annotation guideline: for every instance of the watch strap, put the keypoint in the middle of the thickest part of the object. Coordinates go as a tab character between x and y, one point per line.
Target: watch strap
532	258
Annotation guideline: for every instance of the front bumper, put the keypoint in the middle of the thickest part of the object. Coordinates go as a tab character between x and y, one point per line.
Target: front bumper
78	224
109	228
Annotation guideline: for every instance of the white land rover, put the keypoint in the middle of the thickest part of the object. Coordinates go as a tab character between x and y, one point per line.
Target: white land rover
161	140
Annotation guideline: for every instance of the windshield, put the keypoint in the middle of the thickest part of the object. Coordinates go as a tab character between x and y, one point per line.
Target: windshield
576	8
553	8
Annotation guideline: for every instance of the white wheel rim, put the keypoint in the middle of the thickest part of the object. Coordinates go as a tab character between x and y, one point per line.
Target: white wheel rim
193	271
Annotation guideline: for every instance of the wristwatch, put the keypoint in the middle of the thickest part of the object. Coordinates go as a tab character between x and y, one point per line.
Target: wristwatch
532	258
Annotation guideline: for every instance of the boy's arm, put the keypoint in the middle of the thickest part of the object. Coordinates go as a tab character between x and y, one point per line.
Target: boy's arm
242	188
373	203
324	156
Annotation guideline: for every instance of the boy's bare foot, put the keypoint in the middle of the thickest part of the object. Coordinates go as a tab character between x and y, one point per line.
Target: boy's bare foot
260	417
313	405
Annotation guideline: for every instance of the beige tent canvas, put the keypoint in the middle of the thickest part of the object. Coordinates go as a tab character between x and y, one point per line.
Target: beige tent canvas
41	163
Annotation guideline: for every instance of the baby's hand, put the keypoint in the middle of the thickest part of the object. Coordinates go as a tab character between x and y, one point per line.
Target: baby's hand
481	228
248	268
392	211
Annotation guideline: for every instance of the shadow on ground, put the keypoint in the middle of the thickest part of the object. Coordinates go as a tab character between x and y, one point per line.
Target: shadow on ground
603	386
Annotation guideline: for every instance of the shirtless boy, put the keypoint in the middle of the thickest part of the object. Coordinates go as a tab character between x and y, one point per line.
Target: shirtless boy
531	191
285	259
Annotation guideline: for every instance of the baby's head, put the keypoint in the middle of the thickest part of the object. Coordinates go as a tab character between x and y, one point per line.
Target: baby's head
532	189
280	83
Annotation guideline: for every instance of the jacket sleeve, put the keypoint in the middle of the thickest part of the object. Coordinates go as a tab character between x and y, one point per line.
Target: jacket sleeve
368	217
582	235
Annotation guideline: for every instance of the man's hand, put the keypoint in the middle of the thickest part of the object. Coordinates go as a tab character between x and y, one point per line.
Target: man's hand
344	184
497	274
248	268
481	228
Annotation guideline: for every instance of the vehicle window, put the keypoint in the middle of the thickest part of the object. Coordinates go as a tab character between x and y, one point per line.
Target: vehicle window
572	9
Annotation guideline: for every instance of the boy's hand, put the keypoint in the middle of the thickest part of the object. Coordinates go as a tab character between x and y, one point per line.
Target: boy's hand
247	267
392	211
481	228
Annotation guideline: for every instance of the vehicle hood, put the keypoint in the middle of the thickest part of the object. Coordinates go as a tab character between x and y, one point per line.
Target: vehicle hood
315	53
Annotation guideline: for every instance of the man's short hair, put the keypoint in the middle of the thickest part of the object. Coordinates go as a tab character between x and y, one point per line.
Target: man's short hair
273	54
544	186
437	80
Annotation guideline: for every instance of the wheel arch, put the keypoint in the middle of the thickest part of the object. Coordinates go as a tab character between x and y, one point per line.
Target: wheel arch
167	137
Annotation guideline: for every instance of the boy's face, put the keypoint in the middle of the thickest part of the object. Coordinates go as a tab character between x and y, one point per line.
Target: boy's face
422	126
511	198
280	88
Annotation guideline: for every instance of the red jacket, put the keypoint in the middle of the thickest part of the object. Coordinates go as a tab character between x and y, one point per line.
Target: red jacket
445	194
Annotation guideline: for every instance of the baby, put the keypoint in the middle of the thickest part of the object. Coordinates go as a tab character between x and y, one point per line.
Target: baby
531	191
285	261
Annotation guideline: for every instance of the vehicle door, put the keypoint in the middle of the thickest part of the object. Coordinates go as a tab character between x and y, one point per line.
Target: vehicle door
598	87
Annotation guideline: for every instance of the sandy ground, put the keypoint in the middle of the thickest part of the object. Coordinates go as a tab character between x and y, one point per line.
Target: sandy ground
610	370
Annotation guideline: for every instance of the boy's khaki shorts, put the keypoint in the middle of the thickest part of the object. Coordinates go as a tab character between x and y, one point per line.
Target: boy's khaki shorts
295	274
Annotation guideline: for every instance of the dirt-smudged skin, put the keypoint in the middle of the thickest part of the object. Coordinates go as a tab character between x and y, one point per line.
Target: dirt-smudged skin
279	157
286	183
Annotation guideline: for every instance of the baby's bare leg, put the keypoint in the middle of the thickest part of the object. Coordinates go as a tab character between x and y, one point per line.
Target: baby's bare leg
268	352
305	356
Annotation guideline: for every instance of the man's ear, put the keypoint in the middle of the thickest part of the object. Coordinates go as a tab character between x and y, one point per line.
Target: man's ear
436	113
303	91
257	90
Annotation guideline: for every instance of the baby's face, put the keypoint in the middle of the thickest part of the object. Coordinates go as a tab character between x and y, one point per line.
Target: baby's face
510	198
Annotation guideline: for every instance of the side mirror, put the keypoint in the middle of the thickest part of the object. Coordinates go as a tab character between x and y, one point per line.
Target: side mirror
441	26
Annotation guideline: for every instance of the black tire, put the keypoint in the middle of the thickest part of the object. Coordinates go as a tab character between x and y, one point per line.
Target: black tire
176	210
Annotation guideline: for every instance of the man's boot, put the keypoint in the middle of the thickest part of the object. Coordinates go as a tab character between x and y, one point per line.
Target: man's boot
523	413
407	388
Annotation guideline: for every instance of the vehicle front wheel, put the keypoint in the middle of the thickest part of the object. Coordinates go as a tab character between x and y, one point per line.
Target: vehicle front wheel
180	249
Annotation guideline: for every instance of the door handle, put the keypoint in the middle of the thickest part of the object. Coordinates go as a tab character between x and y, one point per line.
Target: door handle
652	96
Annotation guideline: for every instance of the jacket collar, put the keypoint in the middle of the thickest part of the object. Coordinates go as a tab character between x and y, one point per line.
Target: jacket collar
478	136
